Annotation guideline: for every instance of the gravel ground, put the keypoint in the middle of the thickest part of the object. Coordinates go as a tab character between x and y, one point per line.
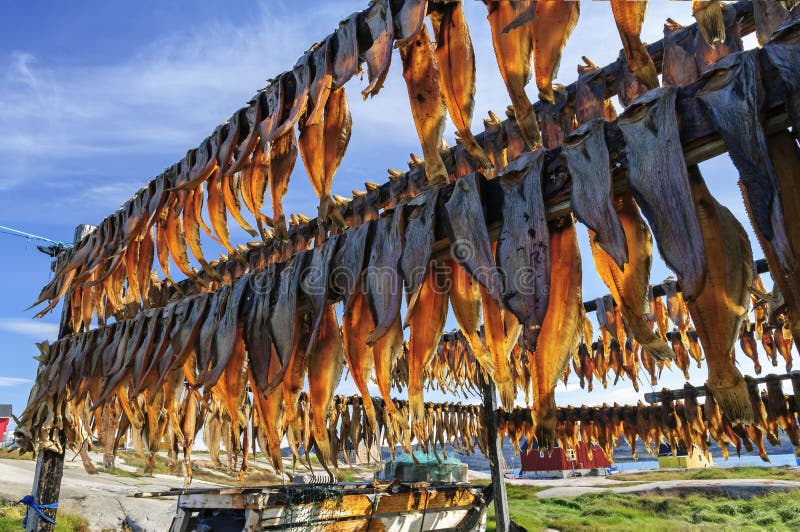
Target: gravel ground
106	501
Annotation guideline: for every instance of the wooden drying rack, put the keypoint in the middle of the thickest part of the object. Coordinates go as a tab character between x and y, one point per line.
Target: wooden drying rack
700	143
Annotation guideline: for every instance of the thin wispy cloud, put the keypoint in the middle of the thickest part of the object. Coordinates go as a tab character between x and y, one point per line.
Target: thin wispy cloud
13	381
36	329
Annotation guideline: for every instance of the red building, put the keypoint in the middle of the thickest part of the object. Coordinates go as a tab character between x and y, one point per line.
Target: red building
5	415
564	463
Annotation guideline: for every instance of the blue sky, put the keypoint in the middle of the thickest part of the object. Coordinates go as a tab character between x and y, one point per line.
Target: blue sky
96	98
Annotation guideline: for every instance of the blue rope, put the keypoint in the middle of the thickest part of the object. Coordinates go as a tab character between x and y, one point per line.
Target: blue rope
27	500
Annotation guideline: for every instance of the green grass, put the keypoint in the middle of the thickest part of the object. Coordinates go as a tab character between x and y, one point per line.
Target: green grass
14	455
615	511
713	473
11	517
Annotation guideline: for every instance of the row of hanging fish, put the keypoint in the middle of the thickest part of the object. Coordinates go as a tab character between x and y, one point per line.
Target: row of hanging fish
304	111
454	369
526	285
455	428
683	425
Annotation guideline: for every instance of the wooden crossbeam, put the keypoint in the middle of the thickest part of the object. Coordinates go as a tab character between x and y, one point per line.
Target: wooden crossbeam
677	394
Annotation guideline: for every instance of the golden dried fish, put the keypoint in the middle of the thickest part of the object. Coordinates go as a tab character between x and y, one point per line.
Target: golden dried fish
456	60
421	75
629	17
555	20
514	50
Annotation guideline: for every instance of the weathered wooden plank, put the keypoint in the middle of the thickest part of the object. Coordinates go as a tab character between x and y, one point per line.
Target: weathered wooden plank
496	461
50	465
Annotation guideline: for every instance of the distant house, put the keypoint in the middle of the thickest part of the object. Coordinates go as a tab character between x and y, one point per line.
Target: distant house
5	416
681	459
563	463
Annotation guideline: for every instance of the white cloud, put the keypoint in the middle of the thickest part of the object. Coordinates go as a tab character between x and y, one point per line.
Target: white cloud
12	381
37	329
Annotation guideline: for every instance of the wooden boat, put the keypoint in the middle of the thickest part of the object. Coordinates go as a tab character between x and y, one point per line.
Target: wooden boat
332	507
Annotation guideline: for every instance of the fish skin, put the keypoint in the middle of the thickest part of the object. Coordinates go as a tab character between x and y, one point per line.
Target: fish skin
229	330
176	241
523	255
470	245
205	163
590	93
322	57
733	84
421	75
679	65
629	18
336	136
456	59
718	310
217	212
325	365
314	283
204	349
783	56
706	55
660	184
269	408
350	261
409	21
629	284
283	155
708	14
385	354
561	331
768	16
285	326
346	62
379	55
501	331
231	389
356	326
300	80
191	226
515	143
495	145
227	182
383	284
556	118
323	145
589	164
785	157
514	51
465	300
296	420
555	20
748	344
426	325
256	314
419	238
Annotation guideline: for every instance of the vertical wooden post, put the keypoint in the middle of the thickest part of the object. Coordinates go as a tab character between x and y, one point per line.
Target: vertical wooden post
496	460
50	465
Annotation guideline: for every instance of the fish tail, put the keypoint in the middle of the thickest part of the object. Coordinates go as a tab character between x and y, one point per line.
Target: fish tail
711	21
659	349
507	394
475	151
734	400
528	126
545	419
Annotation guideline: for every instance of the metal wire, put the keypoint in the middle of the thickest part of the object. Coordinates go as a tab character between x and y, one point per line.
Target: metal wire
29	236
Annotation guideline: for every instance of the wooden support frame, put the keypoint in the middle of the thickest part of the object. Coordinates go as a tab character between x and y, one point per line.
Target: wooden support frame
496	460
700	391
49	464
